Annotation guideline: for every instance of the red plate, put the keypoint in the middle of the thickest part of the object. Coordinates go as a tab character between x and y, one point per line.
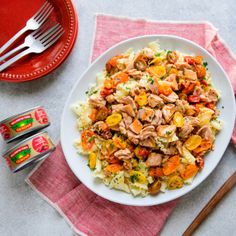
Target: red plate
14	14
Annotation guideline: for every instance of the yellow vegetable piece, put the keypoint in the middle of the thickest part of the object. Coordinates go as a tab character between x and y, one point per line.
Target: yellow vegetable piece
178	119
137	176
175	182
114	119
159	71
156	60
193	142
92	160
205	117
119	143
173	71
141	99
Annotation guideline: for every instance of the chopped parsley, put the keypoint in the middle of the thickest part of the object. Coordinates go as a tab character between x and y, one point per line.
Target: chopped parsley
168	132
134	178
150	80
91	139
91	92
205	64
168	52
111	145
157	54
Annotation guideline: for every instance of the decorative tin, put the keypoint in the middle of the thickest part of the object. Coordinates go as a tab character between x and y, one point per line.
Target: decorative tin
24	123
29	151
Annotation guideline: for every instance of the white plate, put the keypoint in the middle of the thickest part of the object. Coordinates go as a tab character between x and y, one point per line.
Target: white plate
78	164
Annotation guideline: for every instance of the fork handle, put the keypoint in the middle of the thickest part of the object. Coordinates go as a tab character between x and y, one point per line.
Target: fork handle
13	39
14	50
14	59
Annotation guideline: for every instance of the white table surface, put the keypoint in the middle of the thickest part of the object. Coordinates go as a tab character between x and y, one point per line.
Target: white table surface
22	211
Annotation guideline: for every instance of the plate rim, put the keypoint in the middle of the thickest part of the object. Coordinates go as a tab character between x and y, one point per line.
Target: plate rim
67	104
14	78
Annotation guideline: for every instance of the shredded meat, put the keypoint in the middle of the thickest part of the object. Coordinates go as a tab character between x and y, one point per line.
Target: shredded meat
123	154
97	102
205	132
148	131
154	159
168	112
155	101
136	74
146	114
157	120
170	98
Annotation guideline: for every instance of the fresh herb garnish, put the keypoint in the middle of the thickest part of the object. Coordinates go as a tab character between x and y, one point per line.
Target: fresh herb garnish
205	63
157	54
168	132
91	139
168	52
150	80
134	178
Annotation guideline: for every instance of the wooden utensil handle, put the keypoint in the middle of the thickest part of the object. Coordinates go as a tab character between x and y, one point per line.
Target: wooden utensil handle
230	182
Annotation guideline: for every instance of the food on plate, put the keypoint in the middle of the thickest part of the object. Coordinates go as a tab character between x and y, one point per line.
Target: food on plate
149	120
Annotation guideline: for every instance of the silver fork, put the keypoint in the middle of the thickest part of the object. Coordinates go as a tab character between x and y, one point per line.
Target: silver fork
32	24
40	44
28	41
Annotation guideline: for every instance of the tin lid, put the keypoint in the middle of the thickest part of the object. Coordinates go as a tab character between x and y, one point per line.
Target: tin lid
9	118
22	142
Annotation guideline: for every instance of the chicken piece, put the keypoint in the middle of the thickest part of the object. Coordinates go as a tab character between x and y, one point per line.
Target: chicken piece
134	73
117	108
182	65
179	146
110	98
172	80
149	142
129	110
97	101
102	129
134	138
148	131
157	120
169	150
123	154
205	132
172	57
146	114
170	98
190	74
166	131
127	120
154	159
168	112
122	127
210	96
189	124
128	101
140	63
127	165
136	126
181	105
155	101
154	87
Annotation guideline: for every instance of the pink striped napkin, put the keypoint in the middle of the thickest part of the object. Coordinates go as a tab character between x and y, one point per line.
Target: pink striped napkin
86	212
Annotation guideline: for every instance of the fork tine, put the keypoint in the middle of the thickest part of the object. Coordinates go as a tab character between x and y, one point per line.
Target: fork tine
51	38
50	34
47	6
47	32
45	17
54	40
45	14
40	10
41	29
